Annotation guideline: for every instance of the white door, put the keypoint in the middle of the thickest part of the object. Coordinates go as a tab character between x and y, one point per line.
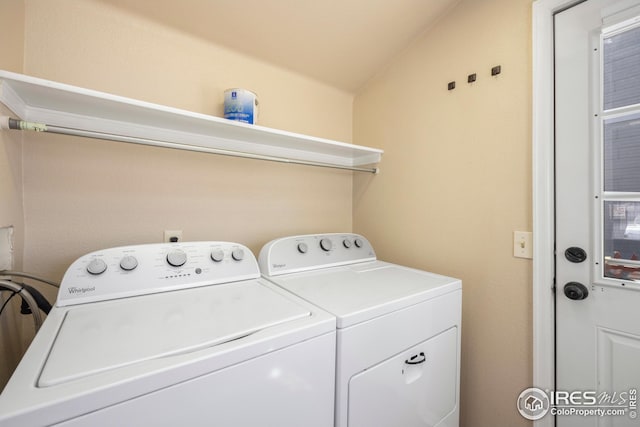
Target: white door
597	68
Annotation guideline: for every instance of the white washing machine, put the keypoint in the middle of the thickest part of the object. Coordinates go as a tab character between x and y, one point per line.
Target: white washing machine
398	329
175	334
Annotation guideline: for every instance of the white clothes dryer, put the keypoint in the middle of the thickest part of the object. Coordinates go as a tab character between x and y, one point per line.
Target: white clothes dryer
175	334
398	329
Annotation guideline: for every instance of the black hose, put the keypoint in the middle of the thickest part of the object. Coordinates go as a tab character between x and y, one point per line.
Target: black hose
42	302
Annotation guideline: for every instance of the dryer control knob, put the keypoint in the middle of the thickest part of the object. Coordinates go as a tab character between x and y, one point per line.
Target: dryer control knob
96	266
128	263
358	242
176	258
346	243
303	248
237	254
326	245
217	255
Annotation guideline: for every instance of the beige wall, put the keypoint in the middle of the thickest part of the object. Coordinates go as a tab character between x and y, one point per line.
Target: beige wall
12	31
11	214
83	195
455	184
12	58
455	178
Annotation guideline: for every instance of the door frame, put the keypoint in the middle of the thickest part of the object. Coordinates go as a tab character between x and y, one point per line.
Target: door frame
543	140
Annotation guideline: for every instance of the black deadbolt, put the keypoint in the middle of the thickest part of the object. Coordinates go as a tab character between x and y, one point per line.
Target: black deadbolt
576	291
575	254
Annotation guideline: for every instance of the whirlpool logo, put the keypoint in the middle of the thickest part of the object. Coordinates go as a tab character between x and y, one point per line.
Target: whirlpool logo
74	290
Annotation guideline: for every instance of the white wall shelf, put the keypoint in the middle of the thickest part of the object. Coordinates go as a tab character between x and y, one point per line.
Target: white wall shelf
68	109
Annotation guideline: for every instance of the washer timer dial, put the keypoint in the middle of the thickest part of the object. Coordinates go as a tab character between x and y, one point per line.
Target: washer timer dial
128	263
217	255
237	254
177	258
326	245
96	266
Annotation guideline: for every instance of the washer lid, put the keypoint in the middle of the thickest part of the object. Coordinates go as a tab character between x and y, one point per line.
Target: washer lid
360	292
104	336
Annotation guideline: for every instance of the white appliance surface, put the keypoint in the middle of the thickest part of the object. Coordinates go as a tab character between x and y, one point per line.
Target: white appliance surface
404	395
359	292
398	338
175	333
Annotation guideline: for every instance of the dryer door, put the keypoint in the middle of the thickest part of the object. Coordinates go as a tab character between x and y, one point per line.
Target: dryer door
416	388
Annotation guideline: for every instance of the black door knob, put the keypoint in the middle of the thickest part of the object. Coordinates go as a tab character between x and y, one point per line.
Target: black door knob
576	291
575	254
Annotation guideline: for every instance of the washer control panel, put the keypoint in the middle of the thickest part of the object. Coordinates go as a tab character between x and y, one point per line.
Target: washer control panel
145	269
310	252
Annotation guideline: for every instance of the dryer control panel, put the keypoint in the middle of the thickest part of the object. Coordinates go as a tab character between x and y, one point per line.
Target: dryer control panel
313	251
145	269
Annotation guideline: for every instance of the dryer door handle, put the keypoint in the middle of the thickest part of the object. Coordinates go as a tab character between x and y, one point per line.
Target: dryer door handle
416	359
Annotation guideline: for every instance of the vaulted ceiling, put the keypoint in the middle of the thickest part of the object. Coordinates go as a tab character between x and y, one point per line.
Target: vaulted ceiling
340	42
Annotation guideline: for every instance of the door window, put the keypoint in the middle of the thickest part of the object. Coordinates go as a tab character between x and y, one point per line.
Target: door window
621	137
620	142
621	68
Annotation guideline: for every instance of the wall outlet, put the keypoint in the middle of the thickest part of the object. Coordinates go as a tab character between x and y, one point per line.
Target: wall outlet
523	244
172	236
6	248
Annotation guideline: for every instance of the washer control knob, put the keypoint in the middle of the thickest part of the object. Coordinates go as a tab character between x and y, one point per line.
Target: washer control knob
326	245
176	258
128	263
96	266
237	254
346	243
303	248
358	242
217	255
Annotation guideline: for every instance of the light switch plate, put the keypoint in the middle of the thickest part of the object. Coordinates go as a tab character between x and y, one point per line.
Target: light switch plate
523	244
